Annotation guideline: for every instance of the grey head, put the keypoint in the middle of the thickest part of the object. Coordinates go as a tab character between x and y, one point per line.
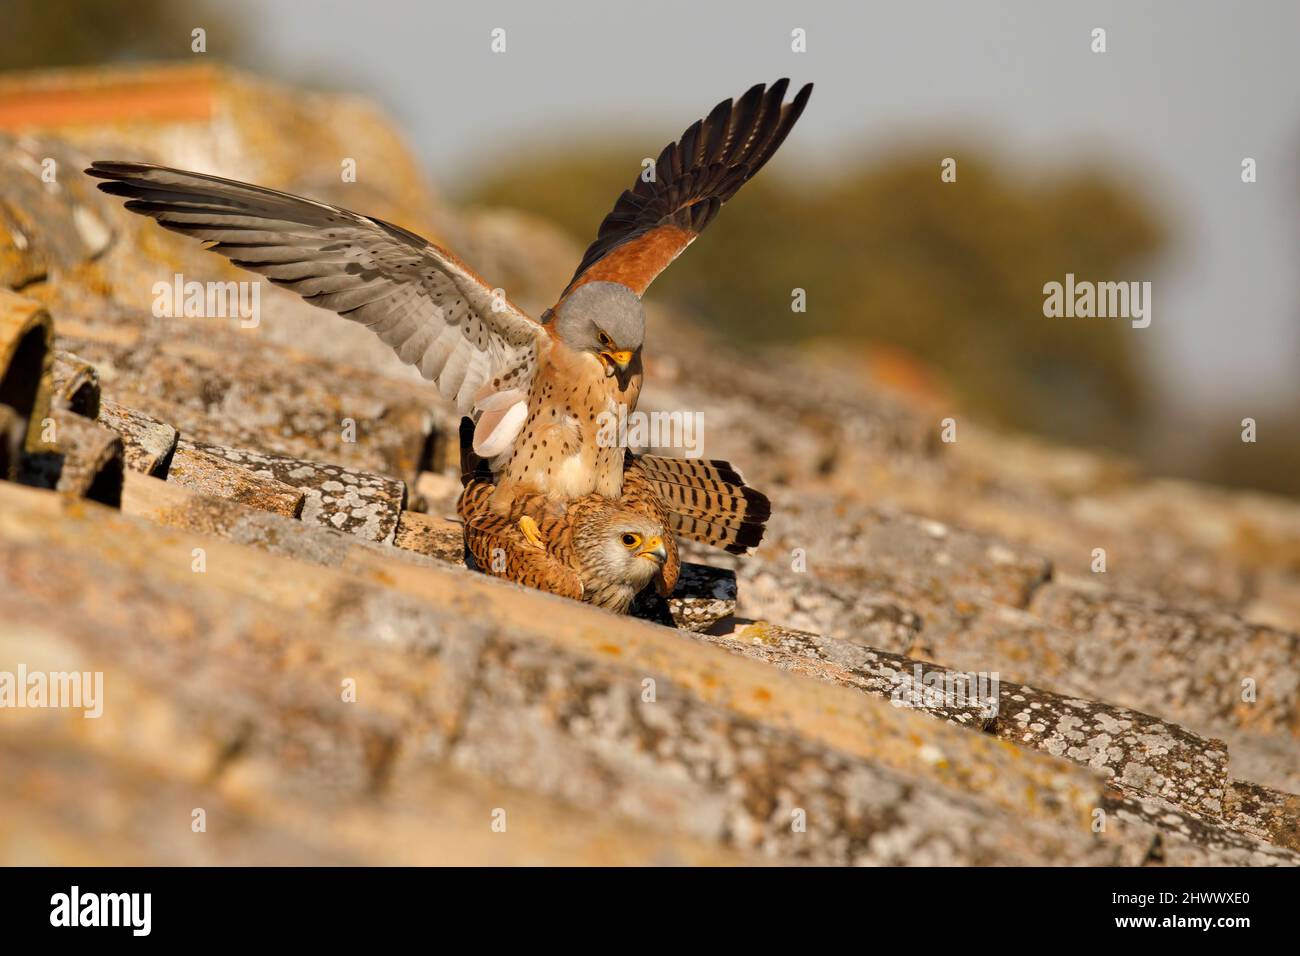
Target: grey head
605	319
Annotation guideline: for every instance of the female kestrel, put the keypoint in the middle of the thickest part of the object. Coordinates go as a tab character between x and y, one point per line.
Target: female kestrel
605	551
600	551
537	389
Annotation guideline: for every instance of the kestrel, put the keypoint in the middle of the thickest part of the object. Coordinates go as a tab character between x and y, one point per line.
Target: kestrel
536	389
605	551
599	551
595	549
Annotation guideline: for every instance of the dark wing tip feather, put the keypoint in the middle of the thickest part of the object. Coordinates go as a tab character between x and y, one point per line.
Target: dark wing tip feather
114	168
117	187
702	169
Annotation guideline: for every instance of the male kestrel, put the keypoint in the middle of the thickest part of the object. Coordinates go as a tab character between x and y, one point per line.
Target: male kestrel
537	389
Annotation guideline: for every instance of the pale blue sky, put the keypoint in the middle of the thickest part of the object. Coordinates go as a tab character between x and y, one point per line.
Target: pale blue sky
1185	91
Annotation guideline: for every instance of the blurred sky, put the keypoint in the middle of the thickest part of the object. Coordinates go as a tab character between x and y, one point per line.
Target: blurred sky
1185	91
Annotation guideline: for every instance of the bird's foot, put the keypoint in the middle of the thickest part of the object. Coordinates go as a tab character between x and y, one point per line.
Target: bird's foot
529	527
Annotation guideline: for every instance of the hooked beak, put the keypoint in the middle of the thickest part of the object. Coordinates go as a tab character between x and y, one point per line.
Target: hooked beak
619	361
619	364
654	550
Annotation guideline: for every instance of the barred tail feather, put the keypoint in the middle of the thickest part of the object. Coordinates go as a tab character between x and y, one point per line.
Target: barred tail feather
734	540
708	501
690	471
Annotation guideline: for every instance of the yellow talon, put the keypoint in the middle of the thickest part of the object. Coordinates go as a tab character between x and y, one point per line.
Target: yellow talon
529	527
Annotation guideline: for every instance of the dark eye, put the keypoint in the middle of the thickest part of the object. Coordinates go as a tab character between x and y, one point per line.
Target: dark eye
605	340
630	540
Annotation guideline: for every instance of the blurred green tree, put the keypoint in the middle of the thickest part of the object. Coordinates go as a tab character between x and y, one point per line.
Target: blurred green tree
49	33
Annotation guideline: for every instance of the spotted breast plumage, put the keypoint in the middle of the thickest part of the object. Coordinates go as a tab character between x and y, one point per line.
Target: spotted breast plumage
537	390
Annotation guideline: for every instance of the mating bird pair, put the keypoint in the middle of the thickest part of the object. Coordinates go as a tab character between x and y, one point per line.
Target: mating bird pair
546	501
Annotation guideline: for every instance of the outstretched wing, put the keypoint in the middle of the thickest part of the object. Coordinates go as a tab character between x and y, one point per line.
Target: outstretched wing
434	311
654	221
